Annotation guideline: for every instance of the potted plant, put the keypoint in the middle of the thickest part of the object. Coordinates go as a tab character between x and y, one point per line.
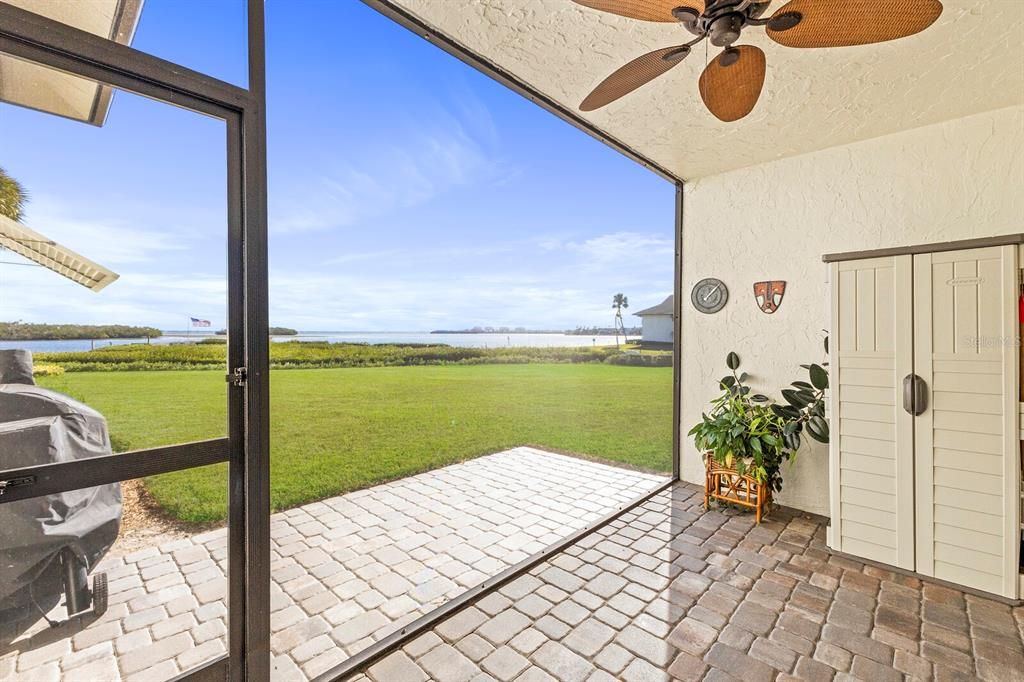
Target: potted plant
746	436
805	408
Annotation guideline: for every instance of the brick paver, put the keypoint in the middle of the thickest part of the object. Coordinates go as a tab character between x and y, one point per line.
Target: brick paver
692	595
346	572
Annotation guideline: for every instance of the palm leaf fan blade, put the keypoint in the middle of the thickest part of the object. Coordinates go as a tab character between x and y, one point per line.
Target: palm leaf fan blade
632	75
731	84
842	23
644	10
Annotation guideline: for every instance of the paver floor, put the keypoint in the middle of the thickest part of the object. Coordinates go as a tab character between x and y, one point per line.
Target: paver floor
669	591
346	571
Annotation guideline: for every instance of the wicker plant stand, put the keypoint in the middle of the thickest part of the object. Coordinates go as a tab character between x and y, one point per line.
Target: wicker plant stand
723	483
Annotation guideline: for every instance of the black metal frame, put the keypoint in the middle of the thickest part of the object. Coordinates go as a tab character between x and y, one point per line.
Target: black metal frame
246	449
677	338
30	36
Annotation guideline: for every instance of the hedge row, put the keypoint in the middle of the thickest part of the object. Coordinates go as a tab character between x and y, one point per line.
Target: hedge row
304	354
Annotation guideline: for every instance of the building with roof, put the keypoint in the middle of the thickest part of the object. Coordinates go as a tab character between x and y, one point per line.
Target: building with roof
657	323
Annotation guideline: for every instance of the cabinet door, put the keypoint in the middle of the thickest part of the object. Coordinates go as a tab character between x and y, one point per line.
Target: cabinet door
871	450
966	441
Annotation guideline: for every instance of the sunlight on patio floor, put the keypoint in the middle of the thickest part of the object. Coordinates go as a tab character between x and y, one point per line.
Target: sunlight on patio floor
346	571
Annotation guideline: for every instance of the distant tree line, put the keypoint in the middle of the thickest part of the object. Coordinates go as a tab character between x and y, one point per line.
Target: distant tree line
602	331
496	330
21	331
274	331
578	331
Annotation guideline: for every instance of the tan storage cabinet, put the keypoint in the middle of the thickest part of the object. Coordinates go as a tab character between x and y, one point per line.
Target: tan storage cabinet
925	454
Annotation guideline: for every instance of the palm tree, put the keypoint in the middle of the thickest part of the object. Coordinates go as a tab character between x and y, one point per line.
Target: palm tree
12	197
619	301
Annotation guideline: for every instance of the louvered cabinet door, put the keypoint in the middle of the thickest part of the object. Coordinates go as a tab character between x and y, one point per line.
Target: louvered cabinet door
871	449
966	440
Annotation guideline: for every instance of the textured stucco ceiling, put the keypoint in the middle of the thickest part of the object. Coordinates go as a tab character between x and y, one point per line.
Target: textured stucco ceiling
971	60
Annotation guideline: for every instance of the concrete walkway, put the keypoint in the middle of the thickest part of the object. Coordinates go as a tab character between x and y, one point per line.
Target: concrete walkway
669	591
346	571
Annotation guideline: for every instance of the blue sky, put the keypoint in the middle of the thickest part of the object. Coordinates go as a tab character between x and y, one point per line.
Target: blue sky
407	191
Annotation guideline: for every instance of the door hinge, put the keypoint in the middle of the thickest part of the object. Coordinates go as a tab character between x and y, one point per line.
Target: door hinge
16	483
238	377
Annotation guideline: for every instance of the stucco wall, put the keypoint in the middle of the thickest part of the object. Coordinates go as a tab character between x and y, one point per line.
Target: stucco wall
657	328
954	180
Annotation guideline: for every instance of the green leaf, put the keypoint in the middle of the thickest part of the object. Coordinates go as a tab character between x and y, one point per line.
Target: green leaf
826	345
817	428
732	361
821	438
819	377
785	412
759	398
797	399
803	385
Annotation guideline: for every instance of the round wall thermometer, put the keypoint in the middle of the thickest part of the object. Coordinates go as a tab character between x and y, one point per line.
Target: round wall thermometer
709	295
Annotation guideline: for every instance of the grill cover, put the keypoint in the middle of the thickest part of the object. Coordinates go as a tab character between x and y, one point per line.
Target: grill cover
39	426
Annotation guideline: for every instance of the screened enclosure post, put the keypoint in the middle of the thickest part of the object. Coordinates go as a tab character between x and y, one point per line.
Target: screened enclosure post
236	422
677	338
45	41
257	360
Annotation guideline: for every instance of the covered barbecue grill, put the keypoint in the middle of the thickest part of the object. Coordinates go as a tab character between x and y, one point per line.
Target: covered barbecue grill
50	544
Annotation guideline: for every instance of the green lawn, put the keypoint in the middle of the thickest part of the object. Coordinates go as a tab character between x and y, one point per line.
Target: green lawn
335	430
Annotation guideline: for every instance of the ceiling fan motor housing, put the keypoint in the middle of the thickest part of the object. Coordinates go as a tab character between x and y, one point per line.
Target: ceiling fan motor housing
725	30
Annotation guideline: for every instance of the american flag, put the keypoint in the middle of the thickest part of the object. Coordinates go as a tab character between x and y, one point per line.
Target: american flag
196	322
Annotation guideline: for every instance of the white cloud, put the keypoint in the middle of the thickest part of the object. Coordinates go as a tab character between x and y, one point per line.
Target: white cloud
111	239
624	248
140	298
411	166
539	283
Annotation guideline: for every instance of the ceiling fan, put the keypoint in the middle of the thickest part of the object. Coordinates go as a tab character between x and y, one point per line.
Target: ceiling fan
731	82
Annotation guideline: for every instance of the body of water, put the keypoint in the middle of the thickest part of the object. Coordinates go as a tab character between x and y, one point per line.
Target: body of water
463	340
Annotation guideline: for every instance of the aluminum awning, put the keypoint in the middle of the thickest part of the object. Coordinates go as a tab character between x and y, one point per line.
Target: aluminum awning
45	89
39	249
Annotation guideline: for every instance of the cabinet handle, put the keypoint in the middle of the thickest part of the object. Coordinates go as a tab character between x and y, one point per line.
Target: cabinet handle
915	395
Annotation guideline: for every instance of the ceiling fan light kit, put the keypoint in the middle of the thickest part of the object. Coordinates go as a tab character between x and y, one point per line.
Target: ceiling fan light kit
731	82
